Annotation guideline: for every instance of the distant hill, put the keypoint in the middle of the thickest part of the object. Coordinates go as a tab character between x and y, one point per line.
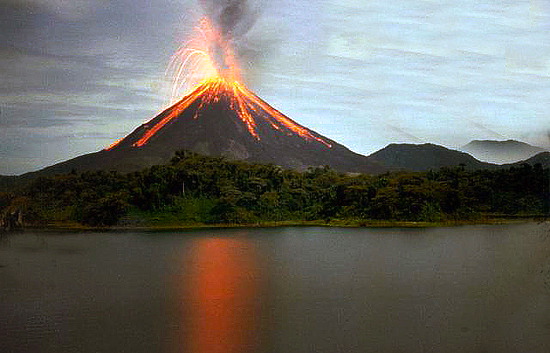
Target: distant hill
543	158
501	152
425	157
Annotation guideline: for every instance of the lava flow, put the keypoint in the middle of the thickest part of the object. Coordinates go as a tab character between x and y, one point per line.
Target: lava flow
205	69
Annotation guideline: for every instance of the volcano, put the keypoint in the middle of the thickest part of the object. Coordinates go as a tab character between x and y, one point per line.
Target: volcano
219	116
223	118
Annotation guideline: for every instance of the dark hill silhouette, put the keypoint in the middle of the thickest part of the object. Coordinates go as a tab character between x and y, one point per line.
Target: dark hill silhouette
501	152
7	181
542	158
425	157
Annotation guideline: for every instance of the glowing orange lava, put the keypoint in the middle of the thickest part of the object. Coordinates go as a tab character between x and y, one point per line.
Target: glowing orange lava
206	70
114	144
205	56
245	103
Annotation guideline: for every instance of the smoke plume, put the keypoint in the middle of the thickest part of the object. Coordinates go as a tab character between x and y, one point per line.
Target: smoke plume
235	20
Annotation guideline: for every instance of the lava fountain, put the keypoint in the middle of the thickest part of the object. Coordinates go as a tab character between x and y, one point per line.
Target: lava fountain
205	69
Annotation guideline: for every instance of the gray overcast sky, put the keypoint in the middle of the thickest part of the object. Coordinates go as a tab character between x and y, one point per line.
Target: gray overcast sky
77	75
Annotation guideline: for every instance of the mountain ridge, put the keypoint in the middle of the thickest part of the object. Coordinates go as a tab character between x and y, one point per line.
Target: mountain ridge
501	151
423	157
542	158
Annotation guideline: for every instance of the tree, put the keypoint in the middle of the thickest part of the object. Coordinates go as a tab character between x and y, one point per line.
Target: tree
105	211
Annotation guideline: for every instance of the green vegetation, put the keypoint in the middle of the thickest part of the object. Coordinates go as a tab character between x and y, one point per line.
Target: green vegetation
199	190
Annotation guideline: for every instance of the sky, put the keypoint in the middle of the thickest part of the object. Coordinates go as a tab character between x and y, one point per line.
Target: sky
77	75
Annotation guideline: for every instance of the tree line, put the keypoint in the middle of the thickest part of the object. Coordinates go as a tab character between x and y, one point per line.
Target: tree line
198	189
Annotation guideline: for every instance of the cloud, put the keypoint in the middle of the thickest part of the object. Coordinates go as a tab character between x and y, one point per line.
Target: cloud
68	10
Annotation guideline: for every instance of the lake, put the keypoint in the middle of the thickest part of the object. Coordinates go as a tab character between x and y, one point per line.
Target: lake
482	288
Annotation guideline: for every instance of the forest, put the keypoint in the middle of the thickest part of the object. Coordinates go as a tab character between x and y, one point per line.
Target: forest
196	189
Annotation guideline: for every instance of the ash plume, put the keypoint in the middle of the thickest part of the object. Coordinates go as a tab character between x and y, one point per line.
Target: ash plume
233	18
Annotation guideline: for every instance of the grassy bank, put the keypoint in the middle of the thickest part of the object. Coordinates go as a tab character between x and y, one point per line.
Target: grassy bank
156	225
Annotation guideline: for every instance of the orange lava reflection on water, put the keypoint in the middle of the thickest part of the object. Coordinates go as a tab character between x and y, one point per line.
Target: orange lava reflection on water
222	305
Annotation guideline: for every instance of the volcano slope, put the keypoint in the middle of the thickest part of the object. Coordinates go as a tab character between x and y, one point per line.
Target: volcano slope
222	119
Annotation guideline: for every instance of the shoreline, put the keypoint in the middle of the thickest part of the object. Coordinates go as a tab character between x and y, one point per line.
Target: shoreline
75	227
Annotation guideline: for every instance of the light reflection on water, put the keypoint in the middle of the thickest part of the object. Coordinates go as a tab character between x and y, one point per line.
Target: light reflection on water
223	288
464	289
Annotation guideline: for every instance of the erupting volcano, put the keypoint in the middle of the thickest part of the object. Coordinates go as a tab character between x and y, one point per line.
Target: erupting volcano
219	92
218	115
228	99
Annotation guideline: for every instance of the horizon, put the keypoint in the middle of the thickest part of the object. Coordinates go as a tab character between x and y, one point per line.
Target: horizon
407	73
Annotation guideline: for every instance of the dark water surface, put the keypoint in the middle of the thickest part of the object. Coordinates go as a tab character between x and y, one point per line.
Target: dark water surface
279	290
